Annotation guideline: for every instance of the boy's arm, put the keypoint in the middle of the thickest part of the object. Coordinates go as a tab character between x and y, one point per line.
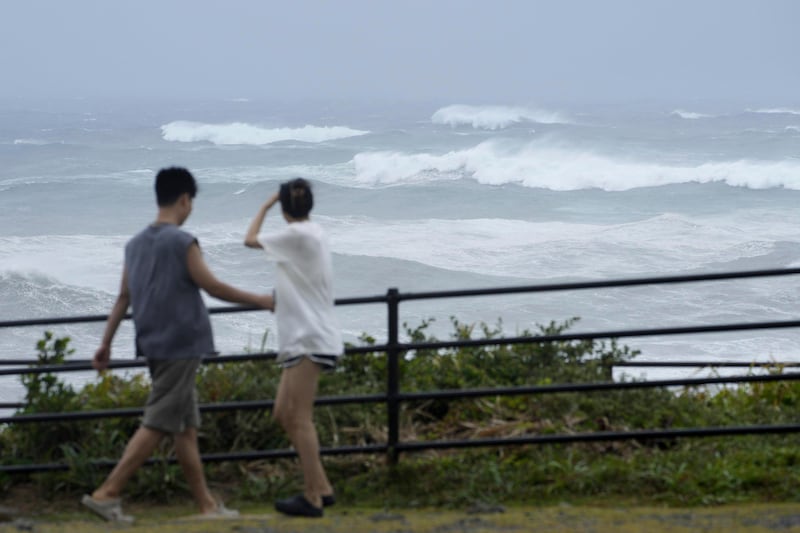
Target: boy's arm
201	275
103	353
251	239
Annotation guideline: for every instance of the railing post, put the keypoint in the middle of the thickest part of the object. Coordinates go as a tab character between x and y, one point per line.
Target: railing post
392	377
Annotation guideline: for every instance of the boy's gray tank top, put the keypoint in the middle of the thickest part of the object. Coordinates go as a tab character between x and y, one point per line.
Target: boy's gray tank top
169	314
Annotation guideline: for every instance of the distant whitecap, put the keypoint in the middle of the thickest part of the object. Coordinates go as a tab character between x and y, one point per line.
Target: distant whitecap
689	115
493	117
249	134
776	111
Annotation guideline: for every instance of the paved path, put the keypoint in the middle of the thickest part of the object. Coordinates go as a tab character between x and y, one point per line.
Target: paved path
751	518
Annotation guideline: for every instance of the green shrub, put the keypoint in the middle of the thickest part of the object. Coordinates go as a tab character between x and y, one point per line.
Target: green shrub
684	471
44	393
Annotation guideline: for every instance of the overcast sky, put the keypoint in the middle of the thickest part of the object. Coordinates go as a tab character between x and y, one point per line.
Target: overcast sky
493	51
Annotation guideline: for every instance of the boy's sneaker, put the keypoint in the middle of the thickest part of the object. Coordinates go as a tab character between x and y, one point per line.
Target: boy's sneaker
221	512
110	510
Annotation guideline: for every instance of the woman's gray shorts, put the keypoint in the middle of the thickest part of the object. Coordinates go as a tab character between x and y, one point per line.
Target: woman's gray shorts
172	404
326	362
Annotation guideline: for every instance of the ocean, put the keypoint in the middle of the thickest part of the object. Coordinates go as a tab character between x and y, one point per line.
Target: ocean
419	197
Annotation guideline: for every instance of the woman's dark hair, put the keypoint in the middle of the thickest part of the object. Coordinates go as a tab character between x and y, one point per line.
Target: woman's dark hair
171	183
296	198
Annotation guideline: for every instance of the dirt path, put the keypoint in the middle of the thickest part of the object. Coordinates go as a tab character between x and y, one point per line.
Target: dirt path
751	518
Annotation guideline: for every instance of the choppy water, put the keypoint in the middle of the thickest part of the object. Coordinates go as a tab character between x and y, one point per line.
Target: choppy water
419	197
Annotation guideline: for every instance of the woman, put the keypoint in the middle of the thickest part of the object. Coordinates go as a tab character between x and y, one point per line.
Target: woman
309	339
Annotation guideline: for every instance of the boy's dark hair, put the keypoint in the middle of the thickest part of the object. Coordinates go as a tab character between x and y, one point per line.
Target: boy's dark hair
296	198
171	183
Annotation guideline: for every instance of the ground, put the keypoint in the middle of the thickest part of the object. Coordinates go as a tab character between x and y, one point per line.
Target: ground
482	519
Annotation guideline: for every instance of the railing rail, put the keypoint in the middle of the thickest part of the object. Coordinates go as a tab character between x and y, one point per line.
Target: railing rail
394	350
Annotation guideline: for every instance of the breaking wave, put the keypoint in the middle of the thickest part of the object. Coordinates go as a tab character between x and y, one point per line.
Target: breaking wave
690	115
249	134
540	166
776	111
493	117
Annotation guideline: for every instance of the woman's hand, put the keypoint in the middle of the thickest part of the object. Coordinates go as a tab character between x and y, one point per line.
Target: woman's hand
274	199
251	237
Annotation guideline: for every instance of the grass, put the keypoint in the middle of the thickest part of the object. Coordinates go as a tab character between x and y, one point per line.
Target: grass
613	517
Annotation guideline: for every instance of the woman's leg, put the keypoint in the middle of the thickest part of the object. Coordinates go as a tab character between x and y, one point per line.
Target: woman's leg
294	405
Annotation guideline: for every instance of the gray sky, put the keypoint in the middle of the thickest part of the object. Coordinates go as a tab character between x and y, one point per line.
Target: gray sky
471	51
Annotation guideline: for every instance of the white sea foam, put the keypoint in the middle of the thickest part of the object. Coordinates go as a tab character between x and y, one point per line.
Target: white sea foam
132	176
493	117
337	173
77	260
35	142
27	294
518	248
547	250
538	165
795	129
690	115
776	111
249	134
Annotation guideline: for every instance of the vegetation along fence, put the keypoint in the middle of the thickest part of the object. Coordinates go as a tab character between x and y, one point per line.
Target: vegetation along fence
394	351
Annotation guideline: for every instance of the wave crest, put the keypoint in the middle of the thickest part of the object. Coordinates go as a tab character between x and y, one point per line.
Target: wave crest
243	133
539	166
35	142
493	117
776	111
689	115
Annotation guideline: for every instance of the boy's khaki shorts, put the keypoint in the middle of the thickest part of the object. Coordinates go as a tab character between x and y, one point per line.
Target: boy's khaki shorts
172	404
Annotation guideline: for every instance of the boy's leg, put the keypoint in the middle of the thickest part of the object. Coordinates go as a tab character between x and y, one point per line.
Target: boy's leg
137	451
188	453
294	404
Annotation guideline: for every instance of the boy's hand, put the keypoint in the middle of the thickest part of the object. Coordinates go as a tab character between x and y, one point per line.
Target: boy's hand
274	199
267	302
101	358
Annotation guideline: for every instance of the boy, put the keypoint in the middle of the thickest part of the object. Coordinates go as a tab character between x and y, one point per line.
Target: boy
162	277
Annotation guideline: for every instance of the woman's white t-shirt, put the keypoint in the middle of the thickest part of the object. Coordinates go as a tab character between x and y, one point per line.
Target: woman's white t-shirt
304	309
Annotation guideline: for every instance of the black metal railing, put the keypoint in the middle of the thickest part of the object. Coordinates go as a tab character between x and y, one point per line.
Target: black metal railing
394	350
